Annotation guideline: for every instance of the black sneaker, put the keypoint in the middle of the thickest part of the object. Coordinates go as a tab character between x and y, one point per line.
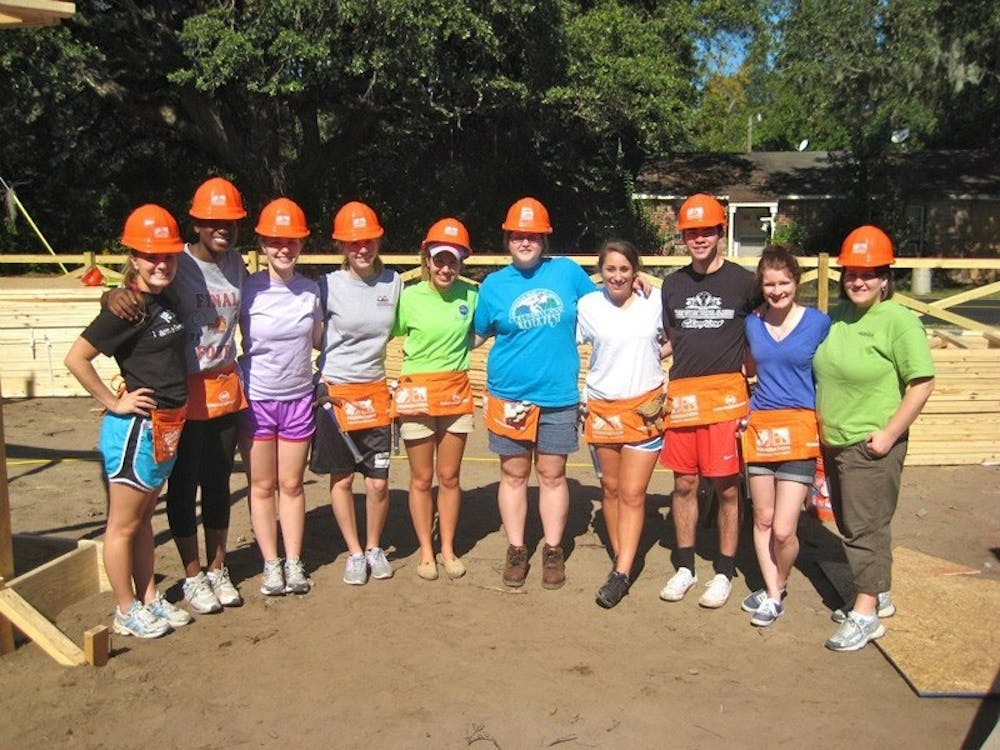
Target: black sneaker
613	590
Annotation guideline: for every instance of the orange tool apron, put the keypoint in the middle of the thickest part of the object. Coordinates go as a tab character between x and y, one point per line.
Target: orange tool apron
707	399
436	394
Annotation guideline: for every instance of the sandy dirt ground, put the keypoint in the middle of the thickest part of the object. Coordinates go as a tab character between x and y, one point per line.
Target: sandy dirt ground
406	663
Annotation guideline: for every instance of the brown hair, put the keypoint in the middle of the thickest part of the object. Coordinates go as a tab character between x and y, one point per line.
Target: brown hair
776	258
623	247
425	258
884	273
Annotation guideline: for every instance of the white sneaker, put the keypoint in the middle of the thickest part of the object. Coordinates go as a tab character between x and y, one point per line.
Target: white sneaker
716	592
678	585
163	609
378	564
199	595
223	588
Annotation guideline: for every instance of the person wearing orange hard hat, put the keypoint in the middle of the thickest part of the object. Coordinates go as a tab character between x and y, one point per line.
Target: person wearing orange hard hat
433	398
704	307
874	373
206	293
529	308
143	420
281	322
353	432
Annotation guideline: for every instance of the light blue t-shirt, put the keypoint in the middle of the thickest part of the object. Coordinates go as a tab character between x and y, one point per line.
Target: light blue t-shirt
532	317
785	368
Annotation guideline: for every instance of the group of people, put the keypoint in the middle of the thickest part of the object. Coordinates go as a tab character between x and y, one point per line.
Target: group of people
187	400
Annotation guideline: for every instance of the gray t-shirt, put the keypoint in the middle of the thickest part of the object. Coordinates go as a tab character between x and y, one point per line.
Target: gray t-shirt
359	318
207	299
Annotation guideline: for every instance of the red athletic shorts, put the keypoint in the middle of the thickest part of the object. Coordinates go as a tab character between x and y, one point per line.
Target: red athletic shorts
709	450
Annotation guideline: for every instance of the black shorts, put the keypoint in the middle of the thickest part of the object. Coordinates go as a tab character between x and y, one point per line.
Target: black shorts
330	454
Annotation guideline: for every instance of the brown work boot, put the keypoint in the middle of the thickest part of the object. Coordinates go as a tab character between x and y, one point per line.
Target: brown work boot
515	570
553	567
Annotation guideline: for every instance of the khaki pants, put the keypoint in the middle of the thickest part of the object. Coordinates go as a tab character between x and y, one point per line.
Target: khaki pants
864	491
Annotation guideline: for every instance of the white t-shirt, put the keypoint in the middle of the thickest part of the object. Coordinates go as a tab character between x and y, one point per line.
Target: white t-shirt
625	347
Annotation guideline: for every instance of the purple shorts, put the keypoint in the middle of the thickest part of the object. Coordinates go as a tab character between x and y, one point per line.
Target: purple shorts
287	420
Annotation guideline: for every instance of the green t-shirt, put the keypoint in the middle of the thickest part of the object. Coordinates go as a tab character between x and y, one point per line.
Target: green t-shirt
437	327
863	367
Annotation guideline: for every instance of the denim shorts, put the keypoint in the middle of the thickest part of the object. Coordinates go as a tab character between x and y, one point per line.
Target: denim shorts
802	470
557	434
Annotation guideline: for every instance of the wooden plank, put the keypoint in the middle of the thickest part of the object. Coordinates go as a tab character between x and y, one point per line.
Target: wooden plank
948	338
60	582
969	294
946	315
46	636
97	645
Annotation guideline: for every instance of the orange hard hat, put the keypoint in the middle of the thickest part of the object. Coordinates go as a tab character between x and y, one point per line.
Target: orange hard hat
217	198
528	215
448	232
866	247
151	229
93	277
356	221
701	211
283	218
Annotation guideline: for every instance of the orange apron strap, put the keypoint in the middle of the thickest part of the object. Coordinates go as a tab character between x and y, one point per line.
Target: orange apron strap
781	435
437	394
167	427
707	399
620	420
360	406
516	420
215	393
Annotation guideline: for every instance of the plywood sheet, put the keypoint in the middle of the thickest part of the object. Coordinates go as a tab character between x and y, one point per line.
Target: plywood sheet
945	637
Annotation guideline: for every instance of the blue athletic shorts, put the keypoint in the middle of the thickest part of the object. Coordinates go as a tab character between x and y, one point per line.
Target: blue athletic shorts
127	446
557	434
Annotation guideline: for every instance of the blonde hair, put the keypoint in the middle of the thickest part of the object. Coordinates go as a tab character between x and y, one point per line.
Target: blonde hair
377	264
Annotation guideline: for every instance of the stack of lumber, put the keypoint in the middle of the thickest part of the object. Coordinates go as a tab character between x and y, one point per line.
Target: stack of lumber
960	425
961	422
38	324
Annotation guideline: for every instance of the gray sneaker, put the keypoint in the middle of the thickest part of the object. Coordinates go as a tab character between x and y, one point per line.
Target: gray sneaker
752	601
295	577
377	564
768	611
163	609
884	608
223	588
199	595
854	633
356	570
273	581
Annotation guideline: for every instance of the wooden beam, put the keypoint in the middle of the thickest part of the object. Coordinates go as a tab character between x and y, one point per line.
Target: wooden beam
969	294
823	283
46	636
941	314
97	645
53	8
67	579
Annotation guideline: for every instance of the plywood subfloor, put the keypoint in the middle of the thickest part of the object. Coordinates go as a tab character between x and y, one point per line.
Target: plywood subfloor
945	636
